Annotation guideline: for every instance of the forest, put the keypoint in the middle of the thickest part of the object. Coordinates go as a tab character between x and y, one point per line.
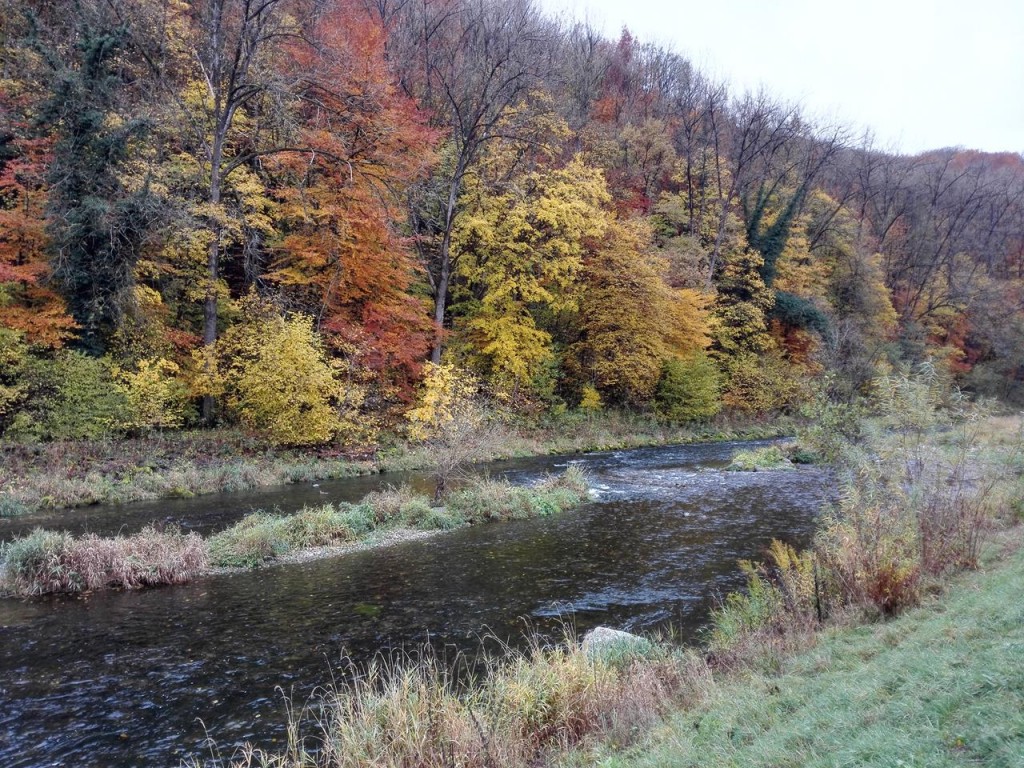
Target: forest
312	218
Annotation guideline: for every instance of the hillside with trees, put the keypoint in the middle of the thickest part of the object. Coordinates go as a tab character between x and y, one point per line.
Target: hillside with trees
280	214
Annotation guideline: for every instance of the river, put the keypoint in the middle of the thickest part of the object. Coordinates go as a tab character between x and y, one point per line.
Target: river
142	678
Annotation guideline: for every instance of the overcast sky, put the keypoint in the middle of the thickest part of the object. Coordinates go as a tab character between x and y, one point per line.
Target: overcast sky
921	74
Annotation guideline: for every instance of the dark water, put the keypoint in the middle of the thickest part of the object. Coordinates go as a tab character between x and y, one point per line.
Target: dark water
123	679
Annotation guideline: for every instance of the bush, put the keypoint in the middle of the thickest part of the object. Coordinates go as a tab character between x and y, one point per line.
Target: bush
763	384
690	389
155	396
521	711
71	397
276	379
439	519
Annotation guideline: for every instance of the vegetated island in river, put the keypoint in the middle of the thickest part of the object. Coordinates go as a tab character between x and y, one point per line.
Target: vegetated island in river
49	562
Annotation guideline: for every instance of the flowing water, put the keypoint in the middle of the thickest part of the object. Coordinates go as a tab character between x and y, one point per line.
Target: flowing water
141	678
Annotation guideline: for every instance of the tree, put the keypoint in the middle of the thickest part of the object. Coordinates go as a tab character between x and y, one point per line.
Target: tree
452	421
630	319
468	64
690	388
520	252
98	214
27	304
338	256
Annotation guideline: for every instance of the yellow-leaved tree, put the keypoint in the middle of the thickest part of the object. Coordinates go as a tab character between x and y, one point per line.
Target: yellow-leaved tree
274	377
156	395
453	421
521	252
631	320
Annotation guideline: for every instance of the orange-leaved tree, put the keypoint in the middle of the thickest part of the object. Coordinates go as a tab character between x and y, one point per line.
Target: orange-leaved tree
27	304
631	320
339	257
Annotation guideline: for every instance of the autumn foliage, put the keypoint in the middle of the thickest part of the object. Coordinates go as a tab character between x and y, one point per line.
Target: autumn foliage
275	215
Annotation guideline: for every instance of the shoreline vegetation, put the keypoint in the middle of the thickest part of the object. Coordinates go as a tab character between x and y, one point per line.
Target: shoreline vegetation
49	562
894	633
181	465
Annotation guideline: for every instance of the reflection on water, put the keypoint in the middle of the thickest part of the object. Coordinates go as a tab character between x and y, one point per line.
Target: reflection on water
122	679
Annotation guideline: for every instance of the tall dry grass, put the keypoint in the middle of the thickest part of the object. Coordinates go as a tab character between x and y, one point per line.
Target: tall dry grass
45	562
525	707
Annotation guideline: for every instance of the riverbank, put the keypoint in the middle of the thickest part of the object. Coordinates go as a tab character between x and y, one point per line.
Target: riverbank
942	685
177	465
51	562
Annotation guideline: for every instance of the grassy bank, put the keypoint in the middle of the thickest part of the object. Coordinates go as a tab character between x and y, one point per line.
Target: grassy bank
943	685
47	562
62	475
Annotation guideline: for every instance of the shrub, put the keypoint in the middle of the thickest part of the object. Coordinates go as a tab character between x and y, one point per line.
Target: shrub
762	384
689	389
590	400
36	564
276	379
71	397
440	519
831	426
416	510
453	422
155	395
320	526
260	537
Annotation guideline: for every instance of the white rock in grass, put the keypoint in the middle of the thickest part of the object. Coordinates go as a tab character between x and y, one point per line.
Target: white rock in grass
605	641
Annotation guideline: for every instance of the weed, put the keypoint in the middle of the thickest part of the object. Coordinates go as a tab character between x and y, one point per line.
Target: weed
524	706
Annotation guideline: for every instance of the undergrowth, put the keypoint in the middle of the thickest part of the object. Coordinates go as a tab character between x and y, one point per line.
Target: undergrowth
524	707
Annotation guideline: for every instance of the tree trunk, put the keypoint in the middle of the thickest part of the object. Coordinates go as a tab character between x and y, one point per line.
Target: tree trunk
212	276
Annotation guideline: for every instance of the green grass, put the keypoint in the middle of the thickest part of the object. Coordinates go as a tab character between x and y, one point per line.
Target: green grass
942	686
488	499
261	537
769	457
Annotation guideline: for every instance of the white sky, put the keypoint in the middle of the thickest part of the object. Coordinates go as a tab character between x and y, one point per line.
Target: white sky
922	74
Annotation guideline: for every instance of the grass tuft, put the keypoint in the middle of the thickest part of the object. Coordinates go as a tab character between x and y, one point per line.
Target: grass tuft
759	459
45	562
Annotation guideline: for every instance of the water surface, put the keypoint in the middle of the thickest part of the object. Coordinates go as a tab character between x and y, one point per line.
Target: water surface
129	679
